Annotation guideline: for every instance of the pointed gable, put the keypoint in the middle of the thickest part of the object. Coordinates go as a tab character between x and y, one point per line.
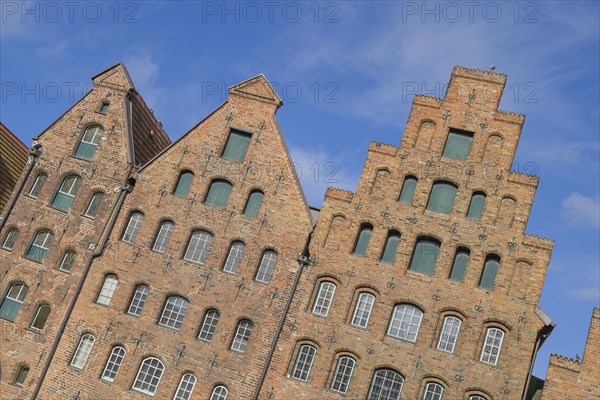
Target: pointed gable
259	88
115	77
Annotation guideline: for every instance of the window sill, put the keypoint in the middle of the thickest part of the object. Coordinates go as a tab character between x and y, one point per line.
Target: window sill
80	159
17	385
32	260
34	330
58	209
174	330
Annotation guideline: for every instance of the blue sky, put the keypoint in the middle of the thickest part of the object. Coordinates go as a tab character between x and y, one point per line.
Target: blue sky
347	73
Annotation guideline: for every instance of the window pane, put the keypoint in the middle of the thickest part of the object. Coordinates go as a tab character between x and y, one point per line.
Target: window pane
492	345
186	386
21	375
265	270
148	376
13	300
362	312
113	364
94	205
405	323
449	334
209	325
163	236
433	391
236	146
10	239
108	288
461	260
363	241
103	108
37	185
342	375
174	312
441	198
385	385
391	246
83	351
304	361
218	194
89	142
66	193
183	184
458	145
425	256
139	300
234	258
408	190
67	261
253	204
41	316
242	336
490	269
219	393
198	247
476	206
40	246
133	227
324	299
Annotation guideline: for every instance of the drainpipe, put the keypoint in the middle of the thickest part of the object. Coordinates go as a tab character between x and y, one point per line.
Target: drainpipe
125	189
541	338
303	261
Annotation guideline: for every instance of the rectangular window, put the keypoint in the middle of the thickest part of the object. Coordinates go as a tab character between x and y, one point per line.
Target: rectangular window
425	256
449	334
10	239
36	188
458	144
441	198
236	146
265	271
94	205
491	346
461	260
363	310
67	261
209	325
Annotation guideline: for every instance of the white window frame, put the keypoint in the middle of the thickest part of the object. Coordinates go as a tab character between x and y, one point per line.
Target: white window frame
93	200
176	306
383	374
405	314
449	333
163	236
304	362
198	247
267	266
82	353
184	391
138	300
108	289
139	383
113	364
133	227
433	391
487	349
35	184
221	394
9	236
363	309
234	257
242	336
342	375
64	259
324	298
209	325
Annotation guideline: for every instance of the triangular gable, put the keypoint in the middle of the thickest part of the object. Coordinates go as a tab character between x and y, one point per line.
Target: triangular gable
115	77
257	87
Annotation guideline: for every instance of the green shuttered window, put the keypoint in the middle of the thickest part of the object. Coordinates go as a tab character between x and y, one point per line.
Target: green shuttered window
13	301
183	184
441	198
253	204
218	194
408	190
490	269
364	235
425	256
391	246
476	206
236	146
458	145
461	260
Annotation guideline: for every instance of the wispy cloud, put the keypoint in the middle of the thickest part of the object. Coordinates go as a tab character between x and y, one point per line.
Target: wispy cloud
585	293
53	49
581	211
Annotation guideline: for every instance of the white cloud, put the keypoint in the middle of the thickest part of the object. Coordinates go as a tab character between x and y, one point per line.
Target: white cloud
580	210
585	293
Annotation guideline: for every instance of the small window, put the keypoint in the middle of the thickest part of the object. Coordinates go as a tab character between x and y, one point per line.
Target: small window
21	375
36	187
405	323
304	361
209	326
138	300
324	299
425	256
186	387
490	270
492	345
40	246
433	391
458	144
103	108
408	190
362	241
441	198
343	374
236	146
148	376
163	237
218	193
83	351
198	247
449	334
363	309
66	262
476	206
390	248
183	184
242	336
174	312
9	240
253	203
89	142
13	301
92	209
219	393
477	397
63	199
267	264
234	258
133	227
113	364
41	316
108	289
385	385
459	266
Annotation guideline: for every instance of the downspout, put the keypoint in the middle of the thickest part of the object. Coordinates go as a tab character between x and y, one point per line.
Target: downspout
34	154
303	261
539	341
125	189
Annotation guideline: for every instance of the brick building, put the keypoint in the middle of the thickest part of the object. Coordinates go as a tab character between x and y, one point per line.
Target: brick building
13	159
136	268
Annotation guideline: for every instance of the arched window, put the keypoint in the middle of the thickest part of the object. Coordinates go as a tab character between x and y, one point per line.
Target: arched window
253	203
441	198
198	247
163	236
108	289
89	142
138	300
304	361
63	199
113	363
66	262
186	387
21	375
83	351
148	376
267	264
459	266
425	255
458	144
174	312
234	258
391	246
218	193
492	344
182	188
242	335
324	298
37	185
477	397
219	393
476	206
39	247
385	385
40	317
362	312
9	240
13	301
433	391
92	208
211	319
133	227
405	323
343	374
408	190
236	146
362	240
490	270
449	334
